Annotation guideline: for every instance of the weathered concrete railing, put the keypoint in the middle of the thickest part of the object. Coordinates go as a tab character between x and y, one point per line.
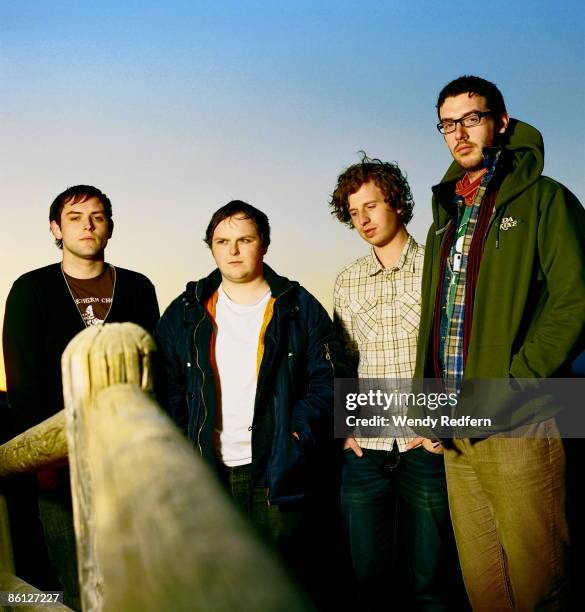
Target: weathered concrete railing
154	529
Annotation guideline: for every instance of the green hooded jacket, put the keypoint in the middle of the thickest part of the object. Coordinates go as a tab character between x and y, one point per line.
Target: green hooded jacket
529	303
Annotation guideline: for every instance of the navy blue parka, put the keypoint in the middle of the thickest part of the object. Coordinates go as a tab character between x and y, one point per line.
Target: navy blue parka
295	381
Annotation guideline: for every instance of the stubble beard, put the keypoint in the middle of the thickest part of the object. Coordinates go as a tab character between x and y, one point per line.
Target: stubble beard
471	162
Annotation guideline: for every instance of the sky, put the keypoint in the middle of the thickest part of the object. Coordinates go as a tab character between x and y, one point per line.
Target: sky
173	109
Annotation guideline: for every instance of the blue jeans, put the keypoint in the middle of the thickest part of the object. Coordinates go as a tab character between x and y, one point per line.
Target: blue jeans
397	519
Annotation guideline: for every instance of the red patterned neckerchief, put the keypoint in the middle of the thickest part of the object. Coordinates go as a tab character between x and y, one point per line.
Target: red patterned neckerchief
467	189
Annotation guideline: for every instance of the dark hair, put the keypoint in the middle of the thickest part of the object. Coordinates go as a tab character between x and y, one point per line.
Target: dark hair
248	211
387	177
74	195
474	85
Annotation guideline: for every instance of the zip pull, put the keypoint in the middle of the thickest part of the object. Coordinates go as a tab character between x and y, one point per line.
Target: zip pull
328	357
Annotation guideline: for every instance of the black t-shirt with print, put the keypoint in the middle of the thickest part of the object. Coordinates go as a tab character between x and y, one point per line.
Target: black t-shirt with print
93	296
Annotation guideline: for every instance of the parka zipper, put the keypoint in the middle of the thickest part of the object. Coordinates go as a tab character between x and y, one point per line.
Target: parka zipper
201	386
273	315
258	394
328	357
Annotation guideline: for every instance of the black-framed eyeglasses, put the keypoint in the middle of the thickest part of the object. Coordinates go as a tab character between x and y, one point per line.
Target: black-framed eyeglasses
471	120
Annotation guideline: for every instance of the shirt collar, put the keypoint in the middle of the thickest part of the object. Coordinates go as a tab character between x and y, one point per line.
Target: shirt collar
491	156
405	261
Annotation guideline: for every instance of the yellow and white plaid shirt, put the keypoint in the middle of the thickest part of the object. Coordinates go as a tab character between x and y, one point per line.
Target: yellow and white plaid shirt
377	310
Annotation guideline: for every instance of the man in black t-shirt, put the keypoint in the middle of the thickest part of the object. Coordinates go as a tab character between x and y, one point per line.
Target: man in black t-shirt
45	309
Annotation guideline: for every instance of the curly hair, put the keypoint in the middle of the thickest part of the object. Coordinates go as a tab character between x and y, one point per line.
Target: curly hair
387	177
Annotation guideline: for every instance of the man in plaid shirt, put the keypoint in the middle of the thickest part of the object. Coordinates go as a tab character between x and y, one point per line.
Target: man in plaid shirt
394	495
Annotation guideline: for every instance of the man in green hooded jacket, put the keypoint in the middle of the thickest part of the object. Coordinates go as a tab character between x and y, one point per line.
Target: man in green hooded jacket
503	297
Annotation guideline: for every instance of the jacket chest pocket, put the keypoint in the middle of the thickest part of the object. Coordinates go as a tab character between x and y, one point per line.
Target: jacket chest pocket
365	318
408	307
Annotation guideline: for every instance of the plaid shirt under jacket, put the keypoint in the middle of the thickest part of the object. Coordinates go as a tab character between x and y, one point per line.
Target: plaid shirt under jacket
451	337
377	311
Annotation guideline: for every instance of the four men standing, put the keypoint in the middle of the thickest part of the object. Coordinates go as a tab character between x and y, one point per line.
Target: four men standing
249	358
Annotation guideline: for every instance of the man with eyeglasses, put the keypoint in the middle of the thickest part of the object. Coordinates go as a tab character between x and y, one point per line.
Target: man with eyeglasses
503	296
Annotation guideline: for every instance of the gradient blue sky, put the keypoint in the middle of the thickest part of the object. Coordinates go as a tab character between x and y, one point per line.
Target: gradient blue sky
175	108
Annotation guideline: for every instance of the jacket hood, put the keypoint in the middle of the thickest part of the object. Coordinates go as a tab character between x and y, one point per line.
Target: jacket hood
522	160
204	287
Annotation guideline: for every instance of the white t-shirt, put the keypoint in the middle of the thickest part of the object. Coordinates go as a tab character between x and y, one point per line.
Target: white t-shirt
236	350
